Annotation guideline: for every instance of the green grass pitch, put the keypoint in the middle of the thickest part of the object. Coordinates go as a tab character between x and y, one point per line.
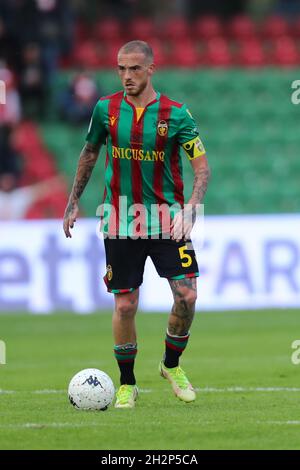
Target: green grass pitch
248	398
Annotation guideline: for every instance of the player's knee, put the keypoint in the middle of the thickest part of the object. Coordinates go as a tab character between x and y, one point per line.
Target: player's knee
191	298
188	299
126	308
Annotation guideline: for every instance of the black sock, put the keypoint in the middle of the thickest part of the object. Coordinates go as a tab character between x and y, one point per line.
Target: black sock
125	355
175	345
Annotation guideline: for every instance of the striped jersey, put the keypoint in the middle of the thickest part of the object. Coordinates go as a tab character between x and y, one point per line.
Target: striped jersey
143	163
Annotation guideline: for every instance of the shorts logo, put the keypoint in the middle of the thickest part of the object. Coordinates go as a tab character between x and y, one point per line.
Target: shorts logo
112	120
162	128
109	272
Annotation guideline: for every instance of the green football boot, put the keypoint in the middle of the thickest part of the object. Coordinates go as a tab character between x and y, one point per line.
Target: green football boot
179	381
126	396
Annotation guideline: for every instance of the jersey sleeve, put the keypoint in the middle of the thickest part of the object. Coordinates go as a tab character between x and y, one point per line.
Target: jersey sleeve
96	132
188	135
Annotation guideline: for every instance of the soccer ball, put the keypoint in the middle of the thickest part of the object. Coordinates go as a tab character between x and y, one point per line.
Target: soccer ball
91	389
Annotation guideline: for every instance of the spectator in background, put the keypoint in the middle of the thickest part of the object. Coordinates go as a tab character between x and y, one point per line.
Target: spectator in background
15	202
289	8
10	113
122	9
5	10
9	48
33	82
46	22
22	20
9	159
217	7
77	102
55	26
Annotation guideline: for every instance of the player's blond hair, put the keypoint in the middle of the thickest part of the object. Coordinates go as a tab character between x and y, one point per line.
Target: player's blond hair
138	46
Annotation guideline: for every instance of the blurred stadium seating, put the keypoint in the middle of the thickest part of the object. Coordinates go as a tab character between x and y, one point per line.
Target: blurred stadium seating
252	142
233	74
233	69
206	41
38	165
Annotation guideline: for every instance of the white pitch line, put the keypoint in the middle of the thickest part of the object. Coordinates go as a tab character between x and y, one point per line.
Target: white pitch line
101	424
247	389
51	392
149	390
280	423
49	425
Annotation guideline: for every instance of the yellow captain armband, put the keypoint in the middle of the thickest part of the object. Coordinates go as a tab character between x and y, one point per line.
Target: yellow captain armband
194	148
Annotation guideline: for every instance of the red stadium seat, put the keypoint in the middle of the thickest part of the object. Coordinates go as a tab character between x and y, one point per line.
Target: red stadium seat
82	31
241	27
141	28
110	51
218	54
38	166
108	29
274	27
285	53
175	28
86	54
251	54
295	28
183	54
207	27
49	207
65	62
160	57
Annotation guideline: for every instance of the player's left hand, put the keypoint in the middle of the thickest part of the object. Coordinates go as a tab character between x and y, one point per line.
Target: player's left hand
182	225
70	218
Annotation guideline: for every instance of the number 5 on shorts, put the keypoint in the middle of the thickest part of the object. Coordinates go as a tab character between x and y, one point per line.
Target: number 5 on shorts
186	260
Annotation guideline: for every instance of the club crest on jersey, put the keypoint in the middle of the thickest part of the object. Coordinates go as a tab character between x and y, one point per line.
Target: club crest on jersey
109	272
162	128
112	120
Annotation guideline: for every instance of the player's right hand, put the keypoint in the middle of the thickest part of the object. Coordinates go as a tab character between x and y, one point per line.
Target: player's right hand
70	216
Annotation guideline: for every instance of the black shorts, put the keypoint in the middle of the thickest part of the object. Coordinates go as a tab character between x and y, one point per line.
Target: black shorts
125	261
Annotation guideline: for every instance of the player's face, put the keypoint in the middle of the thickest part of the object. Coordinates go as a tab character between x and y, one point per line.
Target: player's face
135	72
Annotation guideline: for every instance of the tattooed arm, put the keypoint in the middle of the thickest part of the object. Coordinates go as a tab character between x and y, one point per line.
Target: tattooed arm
184	220
201	177
87	160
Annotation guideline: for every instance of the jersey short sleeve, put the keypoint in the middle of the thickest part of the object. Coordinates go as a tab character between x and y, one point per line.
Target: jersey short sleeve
188	135
96	132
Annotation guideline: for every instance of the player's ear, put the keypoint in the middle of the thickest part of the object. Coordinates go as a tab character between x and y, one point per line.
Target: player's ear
151	69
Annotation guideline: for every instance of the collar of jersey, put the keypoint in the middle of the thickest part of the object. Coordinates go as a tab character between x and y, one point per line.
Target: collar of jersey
157	98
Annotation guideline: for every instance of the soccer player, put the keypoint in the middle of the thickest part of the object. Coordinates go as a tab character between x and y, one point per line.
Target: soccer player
143	131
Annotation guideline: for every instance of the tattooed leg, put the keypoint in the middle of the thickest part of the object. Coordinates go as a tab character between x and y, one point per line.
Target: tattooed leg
183	310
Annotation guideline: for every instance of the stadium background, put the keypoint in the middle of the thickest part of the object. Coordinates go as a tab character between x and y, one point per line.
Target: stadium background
233	63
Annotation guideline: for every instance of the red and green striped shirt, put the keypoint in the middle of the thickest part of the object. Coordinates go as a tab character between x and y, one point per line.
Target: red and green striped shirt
143	160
